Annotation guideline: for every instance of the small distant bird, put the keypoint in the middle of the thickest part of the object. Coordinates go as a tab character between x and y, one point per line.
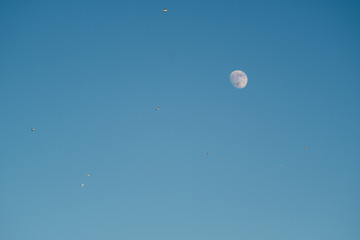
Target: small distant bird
82	185
88	175
32	129
165	10
157	108
207	153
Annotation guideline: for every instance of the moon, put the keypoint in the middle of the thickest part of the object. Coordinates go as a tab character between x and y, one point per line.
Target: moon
238	79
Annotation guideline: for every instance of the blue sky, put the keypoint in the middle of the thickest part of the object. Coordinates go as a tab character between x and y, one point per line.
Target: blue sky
88	75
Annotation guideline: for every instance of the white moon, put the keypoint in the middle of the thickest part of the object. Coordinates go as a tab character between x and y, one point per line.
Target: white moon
238	79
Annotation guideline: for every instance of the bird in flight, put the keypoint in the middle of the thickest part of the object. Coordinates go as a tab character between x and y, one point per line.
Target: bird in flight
82	185
207	153
88	175
157	108
165	10
32	129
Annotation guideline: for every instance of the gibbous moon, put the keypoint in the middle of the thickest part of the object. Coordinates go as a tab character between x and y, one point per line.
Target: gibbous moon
238	79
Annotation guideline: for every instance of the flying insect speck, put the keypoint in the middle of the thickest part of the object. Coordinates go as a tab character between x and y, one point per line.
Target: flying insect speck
165	10
32	129
157	108
207	153
88	175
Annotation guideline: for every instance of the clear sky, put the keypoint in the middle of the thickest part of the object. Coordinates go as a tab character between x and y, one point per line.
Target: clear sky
88	75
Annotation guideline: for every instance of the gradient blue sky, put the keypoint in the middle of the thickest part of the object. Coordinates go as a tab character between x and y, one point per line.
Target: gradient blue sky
87	75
